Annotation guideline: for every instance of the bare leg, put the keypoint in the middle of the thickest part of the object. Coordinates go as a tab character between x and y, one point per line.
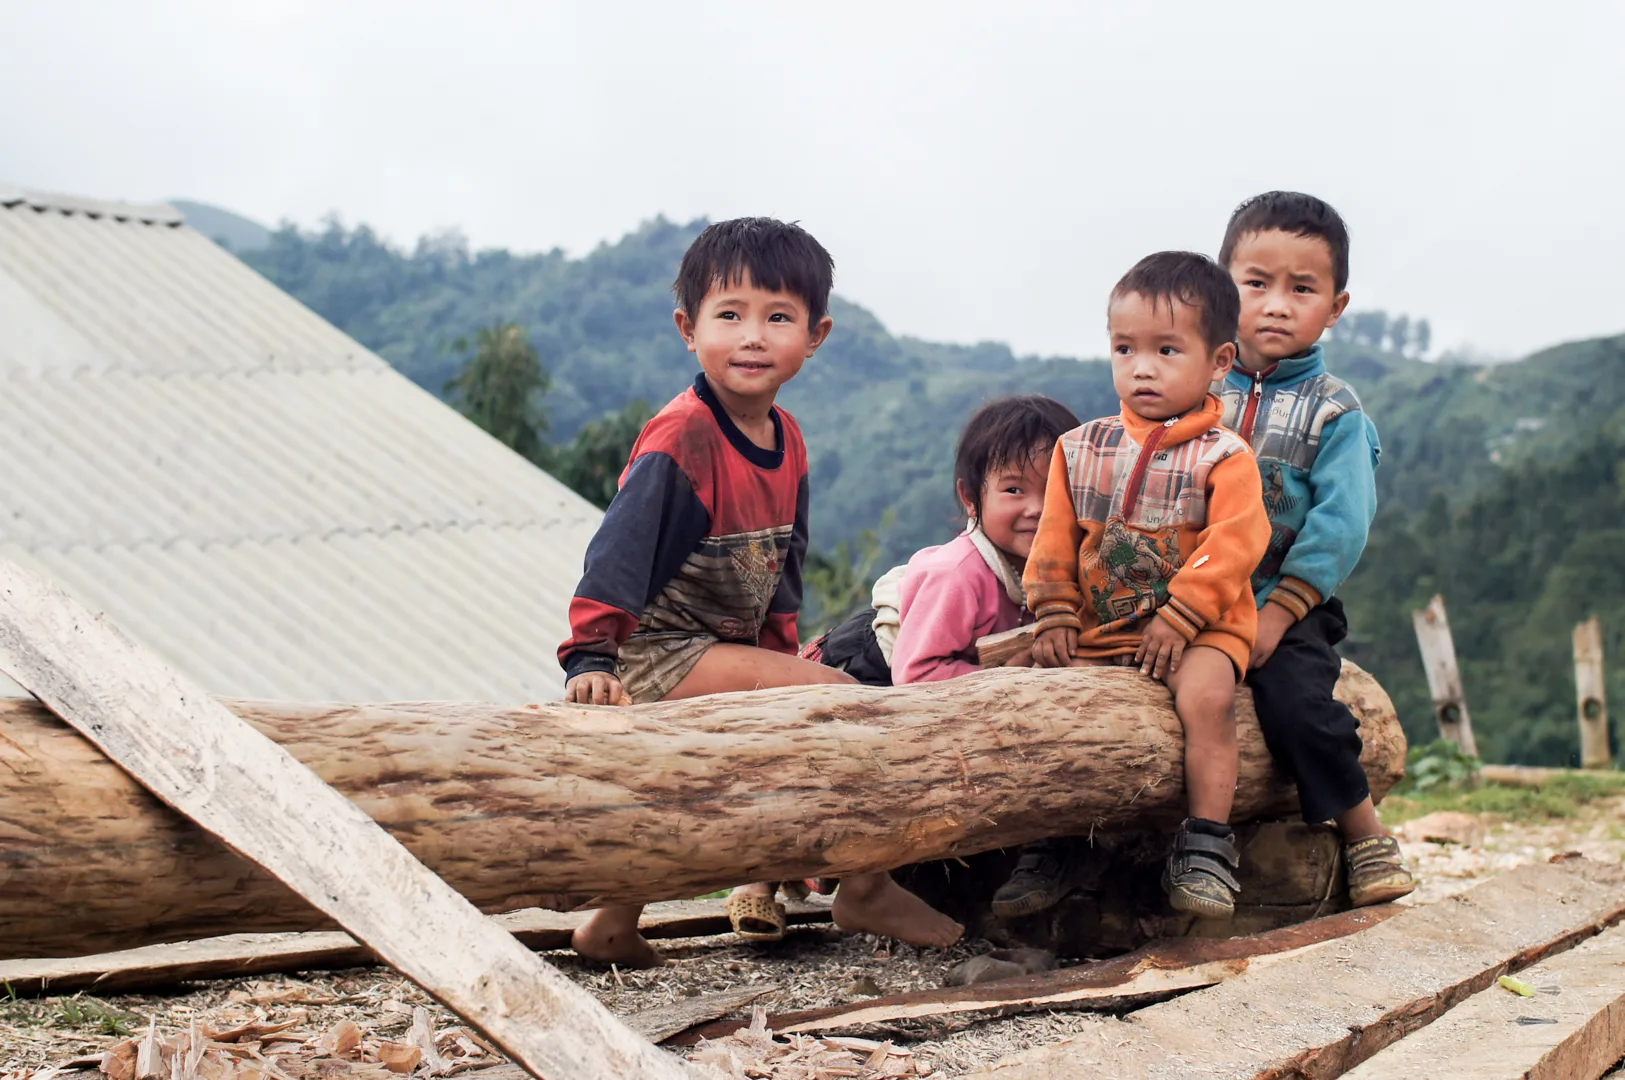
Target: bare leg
726	668
610	935
1204	696
1359	822
875	904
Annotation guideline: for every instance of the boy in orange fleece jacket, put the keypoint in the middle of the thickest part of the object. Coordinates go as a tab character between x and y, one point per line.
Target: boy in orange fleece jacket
1153	523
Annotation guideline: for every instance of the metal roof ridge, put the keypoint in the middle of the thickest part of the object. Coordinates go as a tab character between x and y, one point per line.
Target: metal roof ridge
347	532
146	213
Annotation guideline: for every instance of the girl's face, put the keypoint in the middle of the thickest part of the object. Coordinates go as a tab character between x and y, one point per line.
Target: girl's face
1012	501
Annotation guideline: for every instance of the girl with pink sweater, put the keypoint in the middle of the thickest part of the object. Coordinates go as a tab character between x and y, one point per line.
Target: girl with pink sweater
929	614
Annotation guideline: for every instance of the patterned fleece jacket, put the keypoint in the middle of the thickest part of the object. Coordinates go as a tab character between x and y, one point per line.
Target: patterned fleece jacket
1145	518
1317	456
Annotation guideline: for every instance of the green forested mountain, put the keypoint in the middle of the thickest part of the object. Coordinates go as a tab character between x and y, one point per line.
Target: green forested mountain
234	231
1502	487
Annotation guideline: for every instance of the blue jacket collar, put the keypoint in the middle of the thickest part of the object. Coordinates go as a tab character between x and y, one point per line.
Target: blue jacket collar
1290	370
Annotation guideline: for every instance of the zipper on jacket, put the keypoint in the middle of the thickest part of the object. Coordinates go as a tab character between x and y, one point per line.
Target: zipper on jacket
1136	479
1257	395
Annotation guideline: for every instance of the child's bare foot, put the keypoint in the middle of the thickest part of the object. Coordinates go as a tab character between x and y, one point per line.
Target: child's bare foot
875	904
610	936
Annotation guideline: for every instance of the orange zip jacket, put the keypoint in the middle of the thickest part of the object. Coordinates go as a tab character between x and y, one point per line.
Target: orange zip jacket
1145	518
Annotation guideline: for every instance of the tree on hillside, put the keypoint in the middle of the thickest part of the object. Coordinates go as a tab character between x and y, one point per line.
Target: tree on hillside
1399	334
839	583
1422	337
591	464
500	386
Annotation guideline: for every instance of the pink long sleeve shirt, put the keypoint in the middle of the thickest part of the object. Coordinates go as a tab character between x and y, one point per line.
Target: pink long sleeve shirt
950	597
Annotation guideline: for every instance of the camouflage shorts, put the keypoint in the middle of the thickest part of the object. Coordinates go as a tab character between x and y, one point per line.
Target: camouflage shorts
651	665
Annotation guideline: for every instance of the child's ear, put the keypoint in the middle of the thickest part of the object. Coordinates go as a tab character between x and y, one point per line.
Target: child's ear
685	327
1224	358
967	497
819	334
1339	305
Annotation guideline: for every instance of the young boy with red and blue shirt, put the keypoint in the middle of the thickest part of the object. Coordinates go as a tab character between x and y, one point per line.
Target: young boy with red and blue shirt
692	583
1317	454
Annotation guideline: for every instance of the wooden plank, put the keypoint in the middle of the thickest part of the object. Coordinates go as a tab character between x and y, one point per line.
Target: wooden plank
242	955
1591	694
1318	1014
1572	1029
995	650
1536	776
661	1023
1444	676
1148	974
192	753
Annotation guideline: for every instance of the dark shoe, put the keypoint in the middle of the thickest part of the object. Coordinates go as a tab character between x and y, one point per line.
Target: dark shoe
1376	871
1200	875
1039	882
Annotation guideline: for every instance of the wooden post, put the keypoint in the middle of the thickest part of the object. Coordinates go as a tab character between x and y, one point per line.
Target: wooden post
1444	677
1591	696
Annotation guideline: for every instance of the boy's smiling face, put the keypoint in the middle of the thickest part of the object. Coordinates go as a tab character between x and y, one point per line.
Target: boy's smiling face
1161	365
1289	295
750	341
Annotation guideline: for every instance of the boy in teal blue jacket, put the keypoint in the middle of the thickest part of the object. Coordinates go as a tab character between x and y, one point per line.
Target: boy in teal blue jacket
1317	453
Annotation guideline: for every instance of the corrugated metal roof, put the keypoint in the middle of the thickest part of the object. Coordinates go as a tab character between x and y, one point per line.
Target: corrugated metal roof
251	492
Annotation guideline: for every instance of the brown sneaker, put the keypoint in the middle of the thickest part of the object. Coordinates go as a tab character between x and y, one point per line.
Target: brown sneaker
1376	871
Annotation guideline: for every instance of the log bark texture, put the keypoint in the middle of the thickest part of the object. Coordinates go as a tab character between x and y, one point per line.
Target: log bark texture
561	805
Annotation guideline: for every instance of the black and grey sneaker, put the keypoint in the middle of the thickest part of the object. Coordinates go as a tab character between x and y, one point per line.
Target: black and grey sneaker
1200	875
1038	883
1376	871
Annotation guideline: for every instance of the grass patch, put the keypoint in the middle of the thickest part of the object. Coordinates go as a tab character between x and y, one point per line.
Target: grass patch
97	1016
1439	777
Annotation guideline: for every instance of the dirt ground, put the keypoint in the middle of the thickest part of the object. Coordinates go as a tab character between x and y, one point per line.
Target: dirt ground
369	1022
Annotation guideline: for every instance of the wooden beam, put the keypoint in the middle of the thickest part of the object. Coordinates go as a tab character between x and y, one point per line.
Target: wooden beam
1319	1014
665	1021
1572	1029
192	753
1591	693
237	956
1137	978
1535	776
1444	675
568	806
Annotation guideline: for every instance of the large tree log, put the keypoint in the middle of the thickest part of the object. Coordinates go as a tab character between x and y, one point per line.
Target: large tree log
557	805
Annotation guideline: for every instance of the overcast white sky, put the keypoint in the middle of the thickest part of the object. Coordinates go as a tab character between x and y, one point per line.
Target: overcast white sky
979	170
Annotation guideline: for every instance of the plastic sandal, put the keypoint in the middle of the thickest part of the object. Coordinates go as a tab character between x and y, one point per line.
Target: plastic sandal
756	918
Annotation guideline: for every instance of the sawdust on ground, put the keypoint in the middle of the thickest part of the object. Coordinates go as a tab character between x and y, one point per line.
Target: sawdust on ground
372	1023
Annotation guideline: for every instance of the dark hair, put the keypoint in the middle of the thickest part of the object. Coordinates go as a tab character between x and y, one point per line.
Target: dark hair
1291	212
1191	279
778	257
1003	432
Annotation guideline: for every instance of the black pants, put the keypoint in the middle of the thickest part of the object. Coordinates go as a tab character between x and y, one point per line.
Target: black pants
1312	735
852	647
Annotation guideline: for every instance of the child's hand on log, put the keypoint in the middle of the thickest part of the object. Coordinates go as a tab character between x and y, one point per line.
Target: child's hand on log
1053	648
1273	623
1161	646
596	688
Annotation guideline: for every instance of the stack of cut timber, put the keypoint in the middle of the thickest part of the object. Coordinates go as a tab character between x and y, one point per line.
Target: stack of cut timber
562	805
1321	1013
